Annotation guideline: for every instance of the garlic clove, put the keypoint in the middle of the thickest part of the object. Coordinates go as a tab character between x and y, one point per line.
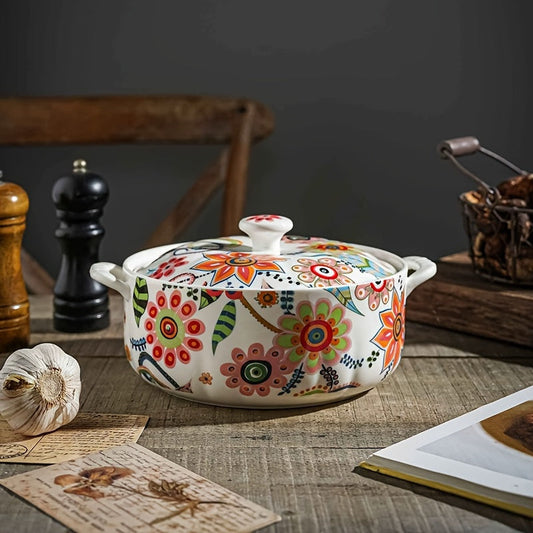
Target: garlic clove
39	389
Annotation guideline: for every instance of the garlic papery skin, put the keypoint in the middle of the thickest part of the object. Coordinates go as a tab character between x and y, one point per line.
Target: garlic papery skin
39	389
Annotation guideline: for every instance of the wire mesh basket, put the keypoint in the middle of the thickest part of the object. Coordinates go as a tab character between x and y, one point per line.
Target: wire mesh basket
497	220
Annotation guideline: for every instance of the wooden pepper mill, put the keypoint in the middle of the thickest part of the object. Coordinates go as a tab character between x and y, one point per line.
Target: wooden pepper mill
80	303
14	304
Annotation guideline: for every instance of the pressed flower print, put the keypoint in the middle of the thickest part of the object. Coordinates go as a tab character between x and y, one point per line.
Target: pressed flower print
90	482
171	329
316	335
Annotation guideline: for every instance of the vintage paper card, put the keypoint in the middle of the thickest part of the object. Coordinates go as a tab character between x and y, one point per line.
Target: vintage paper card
87	433
132	489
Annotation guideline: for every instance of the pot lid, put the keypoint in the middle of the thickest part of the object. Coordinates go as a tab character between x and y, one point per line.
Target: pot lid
267	259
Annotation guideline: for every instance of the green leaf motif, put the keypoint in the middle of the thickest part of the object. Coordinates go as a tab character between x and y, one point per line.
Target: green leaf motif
207	298
140	299
224	325
343	295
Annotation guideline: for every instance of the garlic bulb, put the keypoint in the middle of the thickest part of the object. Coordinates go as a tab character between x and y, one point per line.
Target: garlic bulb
39	389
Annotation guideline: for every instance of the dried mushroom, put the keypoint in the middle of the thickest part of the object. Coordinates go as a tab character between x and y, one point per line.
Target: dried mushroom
501	233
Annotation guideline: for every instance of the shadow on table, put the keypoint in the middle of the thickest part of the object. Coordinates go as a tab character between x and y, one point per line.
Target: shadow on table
520	523
189	413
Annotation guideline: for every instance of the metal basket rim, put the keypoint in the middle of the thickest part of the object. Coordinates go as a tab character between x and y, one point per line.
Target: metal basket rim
496	207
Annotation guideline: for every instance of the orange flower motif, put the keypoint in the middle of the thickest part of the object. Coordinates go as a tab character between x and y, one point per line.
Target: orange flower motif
242	265
392	333
267	298
206	378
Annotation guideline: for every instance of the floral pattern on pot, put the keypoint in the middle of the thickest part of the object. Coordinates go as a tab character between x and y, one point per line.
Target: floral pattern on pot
377	292
172	328
316	335
331	247
323	272
262	218
266	298
255	371
206	378
392	333
166	269
244	266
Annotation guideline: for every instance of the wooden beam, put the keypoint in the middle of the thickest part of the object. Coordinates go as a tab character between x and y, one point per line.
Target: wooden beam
235	189
190	204
125	119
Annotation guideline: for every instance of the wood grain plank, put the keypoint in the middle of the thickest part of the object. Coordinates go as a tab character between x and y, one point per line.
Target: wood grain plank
459	300
422	340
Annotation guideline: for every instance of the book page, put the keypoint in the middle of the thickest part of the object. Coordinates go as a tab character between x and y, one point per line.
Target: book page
132	489
87	433
474	448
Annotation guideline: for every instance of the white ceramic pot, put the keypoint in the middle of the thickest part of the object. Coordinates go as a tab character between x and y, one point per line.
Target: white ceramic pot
266	320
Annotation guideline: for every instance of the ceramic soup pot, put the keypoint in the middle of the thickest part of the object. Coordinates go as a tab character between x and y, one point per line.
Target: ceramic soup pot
269	320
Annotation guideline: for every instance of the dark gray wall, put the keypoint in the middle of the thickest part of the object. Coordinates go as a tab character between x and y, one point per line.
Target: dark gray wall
362	92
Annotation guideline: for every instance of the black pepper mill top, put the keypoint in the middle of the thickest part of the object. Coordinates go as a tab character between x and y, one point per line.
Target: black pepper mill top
80	303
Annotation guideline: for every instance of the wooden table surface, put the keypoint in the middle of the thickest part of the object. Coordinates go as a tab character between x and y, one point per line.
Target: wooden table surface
302	463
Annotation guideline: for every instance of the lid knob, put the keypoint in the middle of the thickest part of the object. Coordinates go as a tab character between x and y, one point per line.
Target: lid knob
266	232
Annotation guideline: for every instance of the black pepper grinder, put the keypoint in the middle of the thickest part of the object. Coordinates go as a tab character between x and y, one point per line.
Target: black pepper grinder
80	303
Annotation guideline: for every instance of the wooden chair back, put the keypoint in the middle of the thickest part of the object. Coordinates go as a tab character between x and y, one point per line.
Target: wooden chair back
235	123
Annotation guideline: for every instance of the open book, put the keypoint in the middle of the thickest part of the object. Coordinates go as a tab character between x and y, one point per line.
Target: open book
485	455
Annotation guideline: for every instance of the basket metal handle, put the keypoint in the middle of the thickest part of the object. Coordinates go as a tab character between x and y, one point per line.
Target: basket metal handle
458	146
452	148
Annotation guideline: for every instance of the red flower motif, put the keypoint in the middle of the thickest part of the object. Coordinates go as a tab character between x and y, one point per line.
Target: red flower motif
167	268
323	272
377	292
242	265
261	218
392	333
232	295
172	329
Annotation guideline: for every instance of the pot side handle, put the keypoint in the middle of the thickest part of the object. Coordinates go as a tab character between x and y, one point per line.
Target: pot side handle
111	276
423	270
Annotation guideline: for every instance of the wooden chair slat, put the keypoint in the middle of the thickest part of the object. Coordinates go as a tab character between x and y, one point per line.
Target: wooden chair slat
190	204
125	119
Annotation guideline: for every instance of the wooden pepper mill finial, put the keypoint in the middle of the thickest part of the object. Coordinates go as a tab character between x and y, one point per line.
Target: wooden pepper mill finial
14	305
80	303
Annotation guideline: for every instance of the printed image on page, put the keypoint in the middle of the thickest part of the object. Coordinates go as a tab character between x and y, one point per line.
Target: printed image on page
502	443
